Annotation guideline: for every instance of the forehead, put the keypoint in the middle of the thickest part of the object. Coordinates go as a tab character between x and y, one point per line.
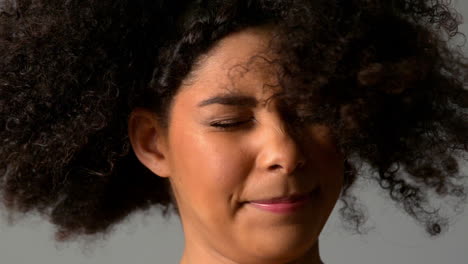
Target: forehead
241	63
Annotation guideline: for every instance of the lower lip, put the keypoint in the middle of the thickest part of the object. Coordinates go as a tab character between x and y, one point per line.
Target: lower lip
282	207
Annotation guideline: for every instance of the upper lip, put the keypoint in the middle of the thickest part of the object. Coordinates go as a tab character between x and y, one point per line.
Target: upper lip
282	198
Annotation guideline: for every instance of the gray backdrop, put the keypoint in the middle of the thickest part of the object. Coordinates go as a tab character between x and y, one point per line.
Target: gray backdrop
393	238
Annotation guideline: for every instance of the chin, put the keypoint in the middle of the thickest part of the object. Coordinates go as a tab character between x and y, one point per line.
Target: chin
282	250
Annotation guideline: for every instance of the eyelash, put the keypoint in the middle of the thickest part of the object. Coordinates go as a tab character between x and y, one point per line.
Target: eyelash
225	125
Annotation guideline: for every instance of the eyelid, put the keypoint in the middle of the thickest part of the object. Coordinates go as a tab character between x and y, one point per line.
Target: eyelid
227	124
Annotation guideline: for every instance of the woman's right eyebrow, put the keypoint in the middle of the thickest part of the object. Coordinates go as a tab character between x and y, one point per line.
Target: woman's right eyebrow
231	100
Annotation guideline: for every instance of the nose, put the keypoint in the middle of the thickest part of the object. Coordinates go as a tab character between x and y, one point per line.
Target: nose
280	150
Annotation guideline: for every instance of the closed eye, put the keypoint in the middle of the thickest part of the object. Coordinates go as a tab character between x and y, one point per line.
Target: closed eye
229	124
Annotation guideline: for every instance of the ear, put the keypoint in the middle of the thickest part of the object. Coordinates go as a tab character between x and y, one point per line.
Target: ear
149	141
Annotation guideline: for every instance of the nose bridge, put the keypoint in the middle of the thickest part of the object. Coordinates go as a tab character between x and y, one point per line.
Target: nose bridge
280	148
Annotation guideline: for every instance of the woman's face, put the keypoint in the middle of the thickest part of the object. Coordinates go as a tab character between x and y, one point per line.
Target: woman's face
217	172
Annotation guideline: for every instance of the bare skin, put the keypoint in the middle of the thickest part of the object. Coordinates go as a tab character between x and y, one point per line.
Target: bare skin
215	173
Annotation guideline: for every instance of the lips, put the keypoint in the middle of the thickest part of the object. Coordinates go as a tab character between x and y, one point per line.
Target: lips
283	199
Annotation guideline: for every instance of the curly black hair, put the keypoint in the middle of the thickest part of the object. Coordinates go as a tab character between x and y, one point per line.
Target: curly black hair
387	79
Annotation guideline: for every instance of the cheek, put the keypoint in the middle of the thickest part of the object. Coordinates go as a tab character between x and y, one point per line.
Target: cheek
331	168
210	162
331	181
325	154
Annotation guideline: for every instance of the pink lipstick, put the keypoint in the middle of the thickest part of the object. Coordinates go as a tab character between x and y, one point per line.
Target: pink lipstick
282	205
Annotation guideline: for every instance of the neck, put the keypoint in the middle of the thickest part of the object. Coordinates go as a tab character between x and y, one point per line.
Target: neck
197	255
312	256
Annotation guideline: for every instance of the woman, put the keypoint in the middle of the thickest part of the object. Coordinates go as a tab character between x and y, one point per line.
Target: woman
251	118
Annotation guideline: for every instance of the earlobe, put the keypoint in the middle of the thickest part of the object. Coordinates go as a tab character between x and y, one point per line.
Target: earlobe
148	141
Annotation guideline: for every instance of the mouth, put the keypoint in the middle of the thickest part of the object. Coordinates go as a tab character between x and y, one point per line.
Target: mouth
285	204
284	199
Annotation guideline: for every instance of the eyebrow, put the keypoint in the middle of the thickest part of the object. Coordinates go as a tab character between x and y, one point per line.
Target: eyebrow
230	99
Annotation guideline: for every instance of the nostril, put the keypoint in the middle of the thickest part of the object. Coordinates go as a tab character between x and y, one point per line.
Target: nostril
299	165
